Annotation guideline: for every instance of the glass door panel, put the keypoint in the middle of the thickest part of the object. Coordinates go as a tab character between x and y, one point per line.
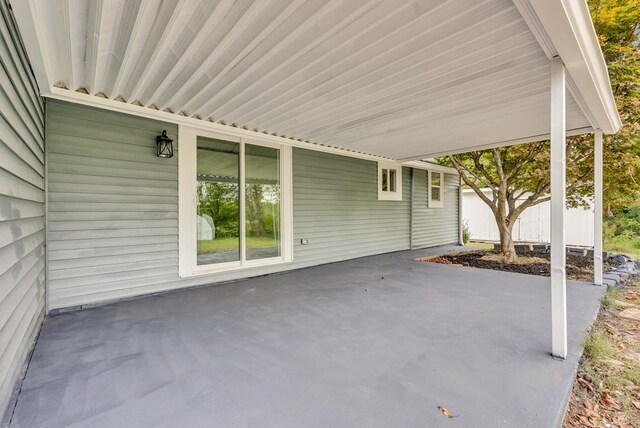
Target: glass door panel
262	202
218	201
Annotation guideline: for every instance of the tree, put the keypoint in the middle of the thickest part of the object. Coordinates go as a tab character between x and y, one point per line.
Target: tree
518	178
522	171
617	24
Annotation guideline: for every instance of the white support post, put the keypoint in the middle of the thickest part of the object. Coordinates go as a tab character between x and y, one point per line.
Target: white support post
558	199
597	206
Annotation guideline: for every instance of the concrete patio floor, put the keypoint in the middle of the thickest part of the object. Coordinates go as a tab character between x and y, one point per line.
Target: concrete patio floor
329	346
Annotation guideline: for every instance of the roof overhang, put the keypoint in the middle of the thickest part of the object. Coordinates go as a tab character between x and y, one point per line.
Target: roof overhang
564	28
391	79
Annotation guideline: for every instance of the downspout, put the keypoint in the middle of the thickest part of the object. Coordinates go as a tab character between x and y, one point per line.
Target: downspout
46	212
460	238
411	210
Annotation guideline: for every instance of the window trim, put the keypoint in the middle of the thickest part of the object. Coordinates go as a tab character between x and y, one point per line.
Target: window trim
435	203
388	195
187	204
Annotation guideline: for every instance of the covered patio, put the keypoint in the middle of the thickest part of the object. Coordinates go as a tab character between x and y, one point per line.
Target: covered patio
377	342
353	99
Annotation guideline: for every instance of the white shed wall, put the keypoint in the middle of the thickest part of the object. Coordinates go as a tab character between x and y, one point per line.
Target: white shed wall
534	225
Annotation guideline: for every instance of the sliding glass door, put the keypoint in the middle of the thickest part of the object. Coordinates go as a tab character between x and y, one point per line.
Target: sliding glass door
238	203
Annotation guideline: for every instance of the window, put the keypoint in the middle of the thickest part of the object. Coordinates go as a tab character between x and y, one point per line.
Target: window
389	182
235	208
434	185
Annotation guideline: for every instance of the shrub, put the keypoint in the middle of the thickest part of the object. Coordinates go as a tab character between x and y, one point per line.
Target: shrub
466	231
622	232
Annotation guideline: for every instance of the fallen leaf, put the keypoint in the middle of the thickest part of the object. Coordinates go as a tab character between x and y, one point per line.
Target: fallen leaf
445	412
630	313
611	402
586	384
586	421
592	414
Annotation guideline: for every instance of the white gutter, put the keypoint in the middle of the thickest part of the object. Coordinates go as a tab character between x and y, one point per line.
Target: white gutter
564	28
430	166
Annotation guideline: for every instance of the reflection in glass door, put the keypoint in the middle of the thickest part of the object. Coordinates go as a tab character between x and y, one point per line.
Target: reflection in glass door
262	202
218	201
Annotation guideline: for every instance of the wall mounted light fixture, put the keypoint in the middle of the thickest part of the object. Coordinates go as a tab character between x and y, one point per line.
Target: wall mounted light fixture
165	145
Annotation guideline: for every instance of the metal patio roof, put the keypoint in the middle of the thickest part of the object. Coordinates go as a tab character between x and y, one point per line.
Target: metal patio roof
393	78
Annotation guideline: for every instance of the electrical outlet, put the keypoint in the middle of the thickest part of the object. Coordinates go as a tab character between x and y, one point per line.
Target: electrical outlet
304	241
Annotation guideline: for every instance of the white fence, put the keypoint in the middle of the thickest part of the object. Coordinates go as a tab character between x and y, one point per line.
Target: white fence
534	224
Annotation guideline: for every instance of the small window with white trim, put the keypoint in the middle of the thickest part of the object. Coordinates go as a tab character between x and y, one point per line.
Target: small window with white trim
435	180
389	182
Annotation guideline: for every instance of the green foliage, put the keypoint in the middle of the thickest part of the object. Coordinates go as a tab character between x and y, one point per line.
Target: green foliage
220	201
598	345
611	298
526	168
466	231
263	209
621	232
617	24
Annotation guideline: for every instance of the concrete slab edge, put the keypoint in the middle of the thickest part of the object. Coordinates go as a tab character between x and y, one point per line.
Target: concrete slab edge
5	422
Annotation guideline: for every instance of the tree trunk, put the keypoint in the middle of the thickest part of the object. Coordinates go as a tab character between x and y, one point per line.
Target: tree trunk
507	246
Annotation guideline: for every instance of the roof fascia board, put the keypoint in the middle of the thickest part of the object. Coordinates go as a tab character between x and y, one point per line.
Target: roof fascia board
430	167
530	17
530	139
564	28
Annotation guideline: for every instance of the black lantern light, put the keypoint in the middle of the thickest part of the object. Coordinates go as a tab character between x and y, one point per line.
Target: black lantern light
165	145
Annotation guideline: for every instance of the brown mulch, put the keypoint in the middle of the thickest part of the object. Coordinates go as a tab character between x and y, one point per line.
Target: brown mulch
578	267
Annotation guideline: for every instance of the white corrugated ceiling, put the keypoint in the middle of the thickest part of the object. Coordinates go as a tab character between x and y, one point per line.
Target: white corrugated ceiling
389	77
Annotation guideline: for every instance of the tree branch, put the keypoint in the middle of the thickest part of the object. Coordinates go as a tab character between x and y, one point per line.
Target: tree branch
476	176
499	167
534	147
475	156
461	171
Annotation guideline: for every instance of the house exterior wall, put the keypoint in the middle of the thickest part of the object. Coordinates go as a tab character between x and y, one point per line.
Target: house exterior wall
435	226
113	209
22	222
336	207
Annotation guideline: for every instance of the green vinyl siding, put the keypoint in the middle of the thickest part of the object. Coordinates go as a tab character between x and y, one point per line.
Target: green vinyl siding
336	208
22	210
113	209
435	226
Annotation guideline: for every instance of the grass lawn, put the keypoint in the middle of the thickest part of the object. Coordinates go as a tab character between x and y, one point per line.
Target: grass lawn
625	245
479	245
230	244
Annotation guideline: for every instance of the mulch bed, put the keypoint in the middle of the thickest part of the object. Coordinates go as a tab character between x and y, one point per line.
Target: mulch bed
578	267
